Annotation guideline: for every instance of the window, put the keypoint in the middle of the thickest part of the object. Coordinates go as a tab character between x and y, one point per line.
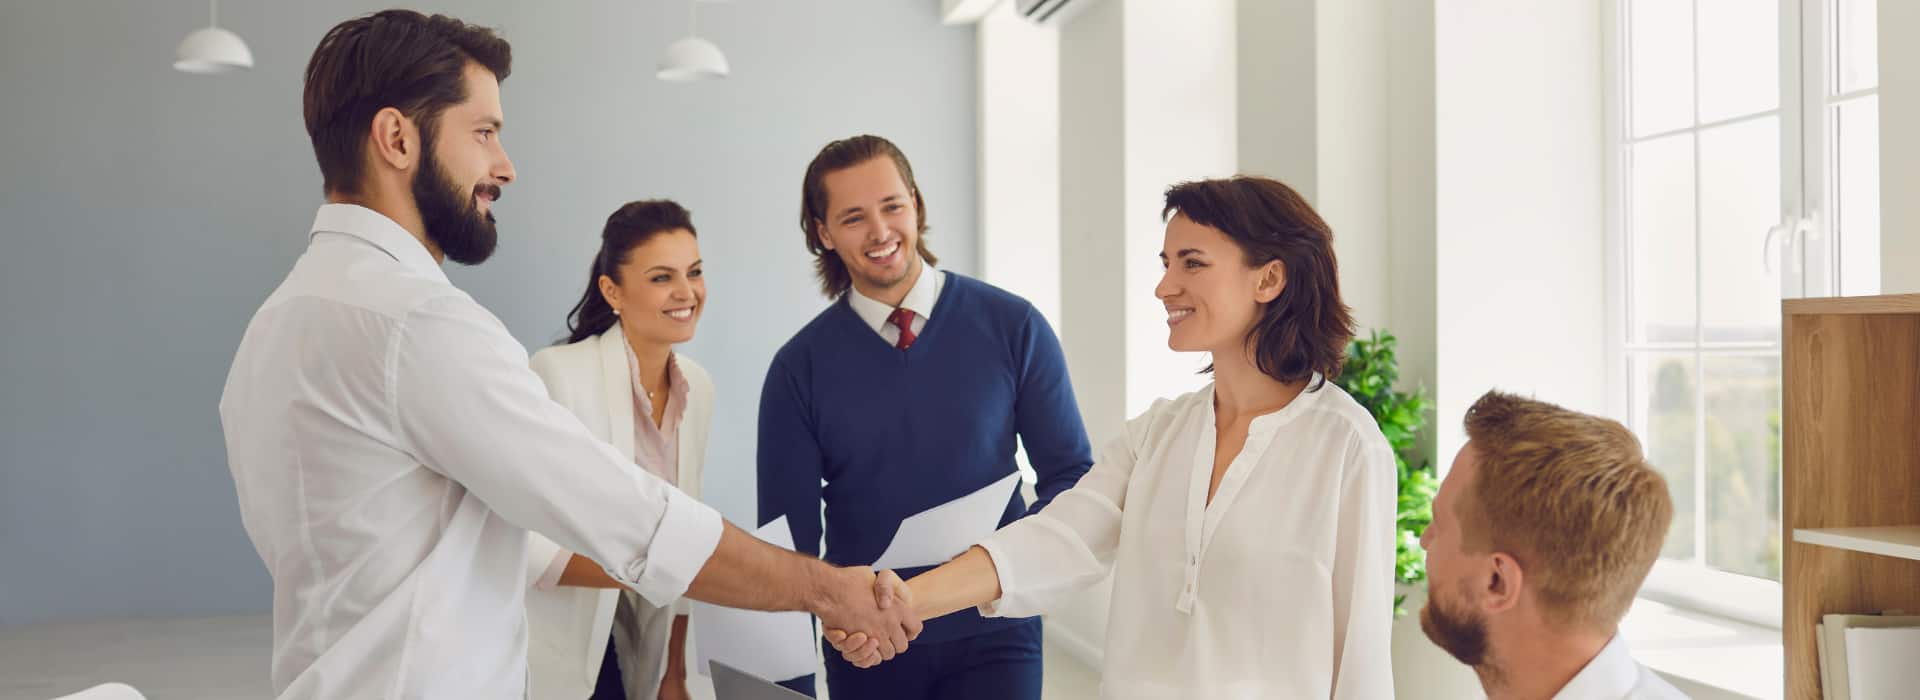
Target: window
1744	144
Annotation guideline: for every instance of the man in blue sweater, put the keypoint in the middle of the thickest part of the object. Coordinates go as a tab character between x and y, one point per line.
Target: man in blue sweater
906	393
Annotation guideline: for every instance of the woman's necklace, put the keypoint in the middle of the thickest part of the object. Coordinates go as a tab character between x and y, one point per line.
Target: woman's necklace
643	382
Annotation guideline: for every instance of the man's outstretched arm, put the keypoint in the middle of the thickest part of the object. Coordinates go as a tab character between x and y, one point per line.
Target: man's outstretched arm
745	572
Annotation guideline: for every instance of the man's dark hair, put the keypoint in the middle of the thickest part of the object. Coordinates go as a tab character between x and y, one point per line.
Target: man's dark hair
395	58
840	155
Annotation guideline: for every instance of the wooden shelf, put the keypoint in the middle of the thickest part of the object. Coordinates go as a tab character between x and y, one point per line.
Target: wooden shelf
1902	542
1890	304
1850	398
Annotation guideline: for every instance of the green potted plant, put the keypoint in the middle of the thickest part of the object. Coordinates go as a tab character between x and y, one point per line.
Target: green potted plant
1369	375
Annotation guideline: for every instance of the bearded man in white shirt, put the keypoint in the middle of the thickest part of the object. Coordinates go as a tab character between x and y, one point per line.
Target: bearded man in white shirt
1542	533
388	442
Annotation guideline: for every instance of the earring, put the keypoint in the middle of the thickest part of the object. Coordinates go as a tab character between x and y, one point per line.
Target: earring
616	312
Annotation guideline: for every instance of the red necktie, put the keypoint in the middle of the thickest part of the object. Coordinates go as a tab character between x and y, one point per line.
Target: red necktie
903	319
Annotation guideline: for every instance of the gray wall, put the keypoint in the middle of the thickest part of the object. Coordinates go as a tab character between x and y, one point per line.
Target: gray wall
145	213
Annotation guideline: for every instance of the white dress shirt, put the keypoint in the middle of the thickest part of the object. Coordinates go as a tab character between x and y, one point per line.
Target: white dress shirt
388	445
919	300
1614	675
1282	587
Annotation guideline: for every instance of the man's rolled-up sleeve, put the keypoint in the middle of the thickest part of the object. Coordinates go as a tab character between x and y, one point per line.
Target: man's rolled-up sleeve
467	406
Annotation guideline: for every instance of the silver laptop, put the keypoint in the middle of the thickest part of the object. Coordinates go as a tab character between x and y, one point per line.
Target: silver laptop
730	683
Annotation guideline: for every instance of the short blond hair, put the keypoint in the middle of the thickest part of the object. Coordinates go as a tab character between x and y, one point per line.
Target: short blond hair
1572	497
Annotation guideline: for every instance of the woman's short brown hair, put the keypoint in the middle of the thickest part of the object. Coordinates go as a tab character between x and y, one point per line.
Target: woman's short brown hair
1571	497
1306	329
395	58
835	157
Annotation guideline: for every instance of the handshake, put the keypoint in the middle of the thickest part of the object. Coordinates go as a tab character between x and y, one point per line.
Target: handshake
870	625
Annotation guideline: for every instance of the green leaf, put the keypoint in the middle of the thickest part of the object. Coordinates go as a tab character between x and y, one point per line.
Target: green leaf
1369	375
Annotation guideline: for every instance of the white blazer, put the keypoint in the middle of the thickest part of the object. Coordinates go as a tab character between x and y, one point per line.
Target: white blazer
567	627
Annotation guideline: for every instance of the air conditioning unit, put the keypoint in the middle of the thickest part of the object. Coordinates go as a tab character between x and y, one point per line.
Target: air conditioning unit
1051	12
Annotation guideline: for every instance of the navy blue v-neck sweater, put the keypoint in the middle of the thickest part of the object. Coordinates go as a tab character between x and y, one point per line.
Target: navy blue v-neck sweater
880	434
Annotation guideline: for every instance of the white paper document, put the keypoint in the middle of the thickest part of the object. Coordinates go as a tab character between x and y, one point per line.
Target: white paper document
1880	662
772	645
938	534
1836	678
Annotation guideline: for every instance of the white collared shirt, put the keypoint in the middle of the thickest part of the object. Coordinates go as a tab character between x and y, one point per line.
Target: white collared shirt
919	300
388	445
1281	587
1614	675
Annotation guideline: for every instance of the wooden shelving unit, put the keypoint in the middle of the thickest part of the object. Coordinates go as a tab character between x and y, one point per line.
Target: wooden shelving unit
1851	469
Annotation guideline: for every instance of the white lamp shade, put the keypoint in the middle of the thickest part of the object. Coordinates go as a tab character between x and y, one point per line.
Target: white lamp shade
692	58
212	50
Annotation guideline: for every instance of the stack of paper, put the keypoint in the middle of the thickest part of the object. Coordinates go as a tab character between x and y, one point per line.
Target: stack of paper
1868	657
773	645
938	534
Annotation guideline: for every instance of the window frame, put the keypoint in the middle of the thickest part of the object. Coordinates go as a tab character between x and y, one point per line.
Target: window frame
1692	584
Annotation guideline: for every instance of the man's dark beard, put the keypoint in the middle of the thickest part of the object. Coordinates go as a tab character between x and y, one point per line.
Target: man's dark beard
452	218
1464	637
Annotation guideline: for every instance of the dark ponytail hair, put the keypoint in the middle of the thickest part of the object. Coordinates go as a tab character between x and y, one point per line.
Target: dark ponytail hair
629	226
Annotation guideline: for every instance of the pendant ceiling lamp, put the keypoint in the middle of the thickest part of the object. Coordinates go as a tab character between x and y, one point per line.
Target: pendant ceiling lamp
692	58
212	50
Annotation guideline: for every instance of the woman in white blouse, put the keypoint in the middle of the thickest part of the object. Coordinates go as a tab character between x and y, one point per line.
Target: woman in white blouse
1249	526
589	637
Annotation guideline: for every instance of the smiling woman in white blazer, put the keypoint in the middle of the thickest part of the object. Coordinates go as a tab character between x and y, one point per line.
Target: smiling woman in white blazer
587	636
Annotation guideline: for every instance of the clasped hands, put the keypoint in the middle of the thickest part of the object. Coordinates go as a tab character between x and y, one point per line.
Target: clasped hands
866	649
870	618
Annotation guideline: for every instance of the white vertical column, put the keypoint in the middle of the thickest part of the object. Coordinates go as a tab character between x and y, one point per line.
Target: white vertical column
1411	266
1278	93
1147	99
1899	147
1521	156
1179	123
1351	172
1093	242
1336	100
1020	158
1314	106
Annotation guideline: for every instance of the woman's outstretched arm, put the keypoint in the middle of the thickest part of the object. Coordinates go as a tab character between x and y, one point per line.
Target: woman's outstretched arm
1041	560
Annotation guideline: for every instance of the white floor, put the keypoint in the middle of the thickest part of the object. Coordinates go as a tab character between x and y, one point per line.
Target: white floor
221	658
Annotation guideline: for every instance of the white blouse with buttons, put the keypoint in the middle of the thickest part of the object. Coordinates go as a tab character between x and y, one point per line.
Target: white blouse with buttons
1282	587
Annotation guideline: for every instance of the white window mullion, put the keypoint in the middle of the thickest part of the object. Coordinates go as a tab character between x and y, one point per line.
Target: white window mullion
1619	246
1699	319
1806	254
1827	93
1729	121
1856	94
